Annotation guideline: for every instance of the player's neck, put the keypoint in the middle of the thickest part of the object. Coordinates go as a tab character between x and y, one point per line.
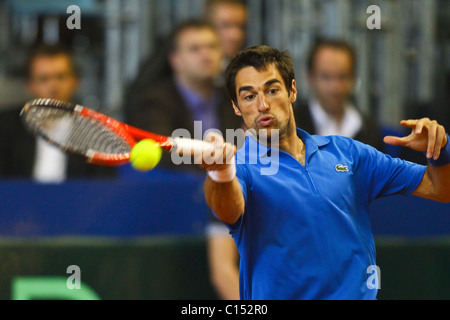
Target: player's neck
295	147
289	142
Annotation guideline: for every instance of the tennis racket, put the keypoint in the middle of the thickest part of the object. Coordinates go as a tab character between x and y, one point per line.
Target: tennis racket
94	136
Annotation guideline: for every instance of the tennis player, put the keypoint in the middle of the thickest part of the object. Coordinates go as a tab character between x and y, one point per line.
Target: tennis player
303	232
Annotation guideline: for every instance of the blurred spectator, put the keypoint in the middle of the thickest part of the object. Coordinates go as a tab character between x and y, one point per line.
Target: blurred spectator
51	73
176	102
331	68
191	94
230	19
223	261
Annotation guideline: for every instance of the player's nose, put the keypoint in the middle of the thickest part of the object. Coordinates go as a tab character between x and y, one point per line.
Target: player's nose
263	105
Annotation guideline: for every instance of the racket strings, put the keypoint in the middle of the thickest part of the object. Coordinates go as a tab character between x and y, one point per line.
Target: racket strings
73	132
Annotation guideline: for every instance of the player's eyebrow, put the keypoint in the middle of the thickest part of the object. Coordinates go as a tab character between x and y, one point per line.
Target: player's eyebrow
245	88
268	83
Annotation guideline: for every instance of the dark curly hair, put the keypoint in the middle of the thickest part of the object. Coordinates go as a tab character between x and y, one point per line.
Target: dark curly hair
259	57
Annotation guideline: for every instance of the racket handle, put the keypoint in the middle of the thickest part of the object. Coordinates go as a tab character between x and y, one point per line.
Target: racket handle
191	146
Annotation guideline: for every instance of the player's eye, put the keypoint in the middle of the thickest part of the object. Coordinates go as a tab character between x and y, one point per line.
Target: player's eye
249	97
273	91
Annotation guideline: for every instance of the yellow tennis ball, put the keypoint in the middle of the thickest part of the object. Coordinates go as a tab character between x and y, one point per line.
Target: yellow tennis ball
145	155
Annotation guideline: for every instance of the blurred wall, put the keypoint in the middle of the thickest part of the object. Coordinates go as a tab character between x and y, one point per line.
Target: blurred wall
403	68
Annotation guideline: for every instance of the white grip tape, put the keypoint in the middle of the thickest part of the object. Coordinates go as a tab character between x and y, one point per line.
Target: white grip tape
192	146
225	175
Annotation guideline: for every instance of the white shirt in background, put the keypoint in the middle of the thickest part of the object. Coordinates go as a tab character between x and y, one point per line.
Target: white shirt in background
50	163
326	125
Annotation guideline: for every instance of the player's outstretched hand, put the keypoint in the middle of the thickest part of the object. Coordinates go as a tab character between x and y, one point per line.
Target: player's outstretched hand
426	136
221	157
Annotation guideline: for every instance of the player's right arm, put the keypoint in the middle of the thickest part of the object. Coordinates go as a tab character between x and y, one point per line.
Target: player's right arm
224	198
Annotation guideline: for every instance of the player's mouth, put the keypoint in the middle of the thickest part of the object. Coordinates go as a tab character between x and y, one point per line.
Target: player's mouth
265	121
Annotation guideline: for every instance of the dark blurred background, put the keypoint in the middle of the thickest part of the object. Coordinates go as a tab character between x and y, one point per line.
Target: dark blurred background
149	228
403	68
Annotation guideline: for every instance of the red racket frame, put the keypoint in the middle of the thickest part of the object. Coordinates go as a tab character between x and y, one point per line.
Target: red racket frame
127	132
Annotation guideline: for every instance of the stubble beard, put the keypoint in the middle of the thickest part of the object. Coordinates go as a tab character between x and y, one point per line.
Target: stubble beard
274	135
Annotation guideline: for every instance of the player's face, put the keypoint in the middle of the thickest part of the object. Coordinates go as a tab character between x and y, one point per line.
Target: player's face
198	56
264	102
231	22
332	79
52	77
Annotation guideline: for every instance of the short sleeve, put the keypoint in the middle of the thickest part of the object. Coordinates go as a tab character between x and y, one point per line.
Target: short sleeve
385	175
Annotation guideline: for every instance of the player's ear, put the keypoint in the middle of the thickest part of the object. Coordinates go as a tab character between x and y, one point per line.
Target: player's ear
236	110
293	92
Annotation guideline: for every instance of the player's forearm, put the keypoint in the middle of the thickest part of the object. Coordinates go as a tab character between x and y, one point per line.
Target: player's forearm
438	170
225	199
439	178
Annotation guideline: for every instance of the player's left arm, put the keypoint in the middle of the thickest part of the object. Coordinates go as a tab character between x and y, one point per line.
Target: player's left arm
430	137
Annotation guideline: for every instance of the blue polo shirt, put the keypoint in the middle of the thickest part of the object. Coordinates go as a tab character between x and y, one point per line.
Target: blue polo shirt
305	232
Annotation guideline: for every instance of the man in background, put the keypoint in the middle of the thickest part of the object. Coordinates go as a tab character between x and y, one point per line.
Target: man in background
51	73
331	67
230	19
191	93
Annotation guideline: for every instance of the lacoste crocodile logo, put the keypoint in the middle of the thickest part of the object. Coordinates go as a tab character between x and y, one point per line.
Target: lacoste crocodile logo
341	168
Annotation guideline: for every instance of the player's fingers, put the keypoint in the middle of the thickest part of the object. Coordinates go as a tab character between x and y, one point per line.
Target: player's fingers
215	156
411	123
230	151
224	154
396	141
420	124
198	158
432	128
220	155
439	142
215	138
209	157
220	158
